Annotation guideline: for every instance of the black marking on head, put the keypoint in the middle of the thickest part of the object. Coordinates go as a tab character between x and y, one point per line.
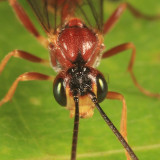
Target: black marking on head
79	60
80	81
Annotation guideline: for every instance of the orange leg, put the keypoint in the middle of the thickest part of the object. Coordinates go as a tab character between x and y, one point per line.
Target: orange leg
123	128
23	55
24	19
28	76
124	47
119	11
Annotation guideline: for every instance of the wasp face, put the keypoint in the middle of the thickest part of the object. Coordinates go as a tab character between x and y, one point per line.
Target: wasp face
78	81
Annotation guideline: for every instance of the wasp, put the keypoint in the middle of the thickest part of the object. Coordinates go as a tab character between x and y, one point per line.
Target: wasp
75	32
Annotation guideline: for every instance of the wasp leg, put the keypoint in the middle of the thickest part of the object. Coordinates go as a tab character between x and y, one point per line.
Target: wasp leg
109	24
123	128
23	55
123	47
24	19
28	76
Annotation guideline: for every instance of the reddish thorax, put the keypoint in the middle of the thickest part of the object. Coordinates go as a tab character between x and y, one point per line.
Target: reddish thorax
73	41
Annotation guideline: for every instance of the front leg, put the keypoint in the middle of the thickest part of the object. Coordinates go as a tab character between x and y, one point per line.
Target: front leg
121	48
123	128
28	76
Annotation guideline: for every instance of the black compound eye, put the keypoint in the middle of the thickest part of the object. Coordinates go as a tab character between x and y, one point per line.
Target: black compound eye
59	92
102	88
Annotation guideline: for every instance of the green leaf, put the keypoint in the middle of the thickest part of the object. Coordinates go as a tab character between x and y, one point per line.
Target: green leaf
34	127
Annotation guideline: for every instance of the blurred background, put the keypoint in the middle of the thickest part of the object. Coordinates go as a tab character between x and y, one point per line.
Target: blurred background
34	127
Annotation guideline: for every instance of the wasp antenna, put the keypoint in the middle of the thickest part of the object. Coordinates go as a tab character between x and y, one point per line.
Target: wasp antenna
113	128
75	129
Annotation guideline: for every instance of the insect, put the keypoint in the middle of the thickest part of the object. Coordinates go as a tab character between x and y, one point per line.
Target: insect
75	43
